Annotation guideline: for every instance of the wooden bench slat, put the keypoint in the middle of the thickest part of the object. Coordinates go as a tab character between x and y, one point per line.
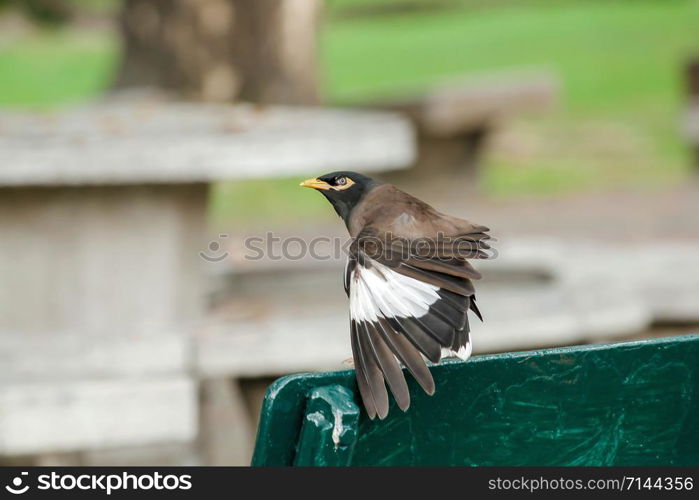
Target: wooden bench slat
96	414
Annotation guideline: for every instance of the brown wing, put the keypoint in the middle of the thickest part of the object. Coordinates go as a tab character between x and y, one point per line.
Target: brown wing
405	302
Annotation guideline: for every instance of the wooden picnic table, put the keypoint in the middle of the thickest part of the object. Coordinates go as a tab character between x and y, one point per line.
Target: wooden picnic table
103	216
455	118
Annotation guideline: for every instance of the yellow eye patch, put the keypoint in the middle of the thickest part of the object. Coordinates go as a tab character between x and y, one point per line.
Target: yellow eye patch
339	187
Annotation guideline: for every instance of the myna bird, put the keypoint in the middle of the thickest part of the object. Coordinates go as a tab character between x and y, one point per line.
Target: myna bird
408	281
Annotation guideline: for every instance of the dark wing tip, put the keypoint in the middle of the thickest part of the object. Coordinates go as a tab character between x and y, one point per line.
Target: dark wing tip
388	363
475	309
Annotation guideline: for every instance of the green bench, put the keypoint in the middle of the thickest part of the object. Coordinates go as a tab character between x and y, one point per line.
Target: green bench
631	403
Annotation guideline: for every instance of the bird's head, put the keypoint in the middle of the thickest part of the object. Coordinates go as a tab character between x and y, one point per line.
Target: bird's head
343	189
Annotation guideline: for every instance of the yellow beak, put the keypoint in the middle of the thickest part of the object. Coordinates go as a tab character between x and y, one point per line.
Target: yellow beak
315	184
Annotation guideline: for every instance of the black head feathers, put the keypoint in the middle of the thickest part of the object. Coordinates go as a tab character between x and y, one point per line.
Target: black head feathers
343	189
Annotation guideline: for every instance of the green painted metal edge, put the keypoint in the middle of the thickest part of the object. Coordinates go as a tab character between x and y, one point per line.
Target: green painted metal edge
282	414
330	428
283	409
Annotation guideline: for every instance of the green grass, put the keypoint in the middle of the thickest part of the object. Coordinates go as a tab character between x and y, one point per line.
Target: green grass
55	67
620	65
609	55
276	202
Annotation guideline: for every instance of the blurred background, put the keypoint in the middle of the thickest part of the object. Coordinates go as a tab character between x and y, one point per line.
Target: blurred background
143	143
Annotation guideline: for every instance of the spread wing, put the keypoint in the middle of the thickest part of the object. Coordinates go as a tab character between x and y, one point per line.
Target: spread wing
405	305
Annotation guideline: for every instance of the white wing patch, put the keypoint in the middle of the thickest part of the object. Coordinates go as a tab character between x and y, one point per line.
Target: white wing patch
463	353
380	291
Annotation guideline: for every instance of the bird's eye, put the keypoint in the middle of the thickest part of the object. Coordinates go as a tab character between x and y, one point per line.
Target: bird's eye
341	181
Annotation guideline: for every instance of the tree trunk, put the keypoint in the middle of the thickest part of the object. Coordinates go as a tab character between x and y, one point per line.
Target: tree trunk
261	51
